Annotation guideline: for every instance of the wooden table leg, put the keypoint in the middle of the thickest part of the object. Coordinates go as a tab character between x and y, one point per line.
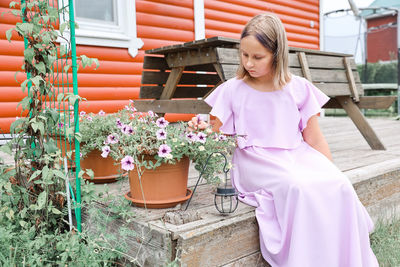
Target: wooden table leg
173	80
361	123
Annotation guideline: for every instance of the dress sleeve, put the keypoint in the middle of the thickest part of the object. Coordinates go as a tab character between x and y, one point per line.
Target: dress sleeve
221	102
312	101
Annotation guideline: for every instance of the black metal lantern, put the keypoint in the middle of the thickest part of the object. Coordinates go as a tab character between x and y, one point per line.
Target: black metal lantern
225	198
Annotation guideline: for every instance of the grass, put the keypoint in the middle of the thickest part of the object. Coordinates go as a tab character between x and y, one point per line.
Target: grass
385	242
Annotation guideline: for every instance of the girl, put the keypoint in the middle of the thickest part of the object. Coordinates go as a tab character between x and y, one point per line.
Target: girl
307	210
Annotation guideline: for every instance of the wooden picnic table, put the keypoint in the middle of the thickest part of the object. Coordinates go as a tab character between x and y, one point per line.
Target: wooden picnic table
177	78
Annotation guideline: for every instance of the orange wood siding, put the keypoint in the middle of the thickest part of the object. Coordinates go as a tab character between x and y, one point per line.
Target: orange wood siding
227	18
159	23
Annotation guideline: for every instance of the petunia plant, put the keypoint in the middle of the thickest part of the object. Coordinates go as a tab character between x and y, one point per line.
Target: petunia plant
141	141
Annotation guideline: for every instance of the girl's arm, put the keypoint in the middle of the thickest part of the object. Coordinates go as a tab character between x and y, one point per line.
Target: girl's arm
313	136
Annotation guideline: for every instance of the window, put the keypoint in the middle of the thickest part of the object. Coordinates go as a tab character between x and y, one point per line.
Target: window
109	23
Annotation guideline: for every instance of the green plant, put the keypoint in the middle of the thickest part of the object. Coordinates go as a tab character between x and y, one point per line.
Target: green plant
385	241
378	72
135	134
94	129
33	225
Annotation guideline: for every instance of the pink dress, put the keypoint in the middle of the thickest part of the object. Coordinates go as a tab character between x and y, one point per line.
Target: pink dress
307	210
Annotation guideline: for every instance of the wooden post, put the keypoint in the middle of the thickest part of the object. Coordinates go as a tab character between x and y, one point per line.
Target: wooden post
361	123
304	65
350	78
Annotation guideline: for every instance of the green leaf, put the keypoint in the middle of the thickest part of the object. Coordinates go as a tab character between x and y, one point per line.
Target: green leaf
29	53
13	4
50	147
41	67
54	115
36	80
60	97
16	12
90	173
22	223
96	61
9	34
63	50
66	68
34	175
46	19
6	149
62	27
24	28
42	199
24	103
60	174
56	211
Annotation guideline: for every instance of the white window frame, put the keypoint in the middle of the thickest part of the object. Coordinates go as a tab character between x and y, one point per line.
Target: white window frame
102	34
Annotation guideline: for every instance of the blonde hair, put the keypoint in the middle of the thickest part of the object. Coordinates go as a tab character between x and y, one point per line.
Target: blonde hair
269	31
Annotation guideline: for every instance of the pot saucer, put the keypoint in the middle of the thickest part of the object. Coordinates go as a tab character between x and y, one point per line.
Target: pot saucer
104	179
159	204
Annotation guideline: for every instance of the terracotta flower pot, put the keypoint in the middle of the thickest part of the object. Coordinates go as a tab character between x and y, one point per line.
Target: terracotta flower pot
164	187
105	170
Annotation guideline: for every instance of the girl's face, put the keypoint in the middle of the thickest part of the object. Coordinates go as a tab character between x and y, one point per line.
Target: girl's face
256	59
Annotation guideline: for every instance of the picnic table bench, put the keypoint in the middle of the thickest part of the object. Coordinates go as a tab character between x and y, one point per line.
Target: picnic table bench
177	78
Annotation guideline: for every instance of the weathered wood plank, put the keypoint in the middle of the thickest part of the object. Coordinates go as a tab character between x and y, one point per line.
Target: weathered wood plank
192	57
150	246
228	55
350	78
320	61
229	70
213	41
366	102
173	106
335	89
196	246
160	63
362	124
153	77
254	260
327	75
180	92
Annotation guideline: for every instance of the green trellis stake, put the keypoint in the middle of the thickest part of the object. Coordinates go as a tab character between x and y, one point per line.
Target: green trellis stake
64	87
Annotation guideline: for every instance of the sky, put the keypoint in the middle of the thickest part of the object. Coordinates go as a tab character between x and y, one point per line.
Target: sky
343	32
329	5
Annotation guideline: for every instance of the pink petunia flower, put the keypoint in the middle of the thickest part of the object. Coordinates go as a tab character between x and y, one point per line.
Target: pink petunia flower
126	129
119	123
106	150
151	113
191	137
60	125
222	137
89	118
164	150
161	134
127	163
112	139
102	113
162	122
82	113
201	137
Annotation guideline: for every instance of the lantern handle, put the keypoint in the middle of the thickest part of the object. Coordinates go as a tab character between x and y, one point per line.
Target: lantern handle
225	170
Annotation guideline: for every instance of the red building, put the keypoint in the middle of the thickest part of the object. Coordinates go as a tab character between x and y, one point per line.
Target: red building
382	31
